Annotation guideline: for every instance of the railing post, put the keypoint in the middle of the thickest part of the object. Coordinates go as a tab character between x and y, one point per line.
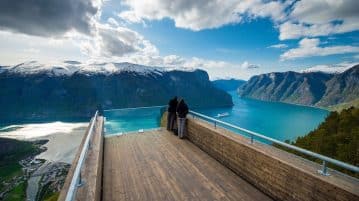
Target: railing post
252	139
324	170
215	124
80	183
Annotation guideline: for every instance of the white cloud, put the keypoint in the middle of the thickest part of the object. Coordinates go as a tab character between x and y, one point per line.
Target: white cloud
111	42
195	62
202	14
131	17
222	69
173	60
32	50
324	11
290	30
16	48
279	46
310	47
306	18
219	69
112	22
320	18
247	65
331	68
186	14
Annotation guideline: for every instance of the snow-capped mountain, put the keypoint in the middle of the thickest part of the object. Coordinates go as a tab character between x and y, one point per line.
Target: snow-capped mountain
332	69
68	68
33	90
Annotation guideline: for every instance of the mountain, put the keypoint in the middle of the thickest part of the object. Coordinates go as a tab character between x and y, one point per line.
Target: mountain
74	90
310	88
342	88
292	87
228	84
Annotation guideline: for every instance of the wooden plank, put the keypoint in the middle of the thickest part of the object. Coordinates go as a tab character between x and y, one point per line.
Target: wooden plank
156	165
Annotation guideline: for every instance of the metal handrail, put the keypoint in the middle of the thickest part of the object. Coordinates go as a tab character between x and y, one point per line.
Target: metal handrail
325	159
76	178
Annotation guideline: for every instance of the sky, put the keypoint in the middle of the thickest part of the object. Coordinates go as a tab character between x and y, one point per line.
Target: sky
228	39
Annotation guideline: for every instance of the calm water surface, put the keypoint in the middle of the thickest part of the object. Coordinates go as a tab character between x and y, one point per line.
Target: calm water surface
120	121
277	120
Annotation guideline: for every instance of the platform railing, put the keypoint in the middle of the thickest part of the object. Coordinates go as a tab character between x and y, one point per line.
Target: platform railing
76	180
324	159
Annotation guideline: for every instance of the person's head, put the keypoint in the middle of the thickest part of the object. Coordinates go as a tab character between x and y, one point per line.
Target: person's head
175	98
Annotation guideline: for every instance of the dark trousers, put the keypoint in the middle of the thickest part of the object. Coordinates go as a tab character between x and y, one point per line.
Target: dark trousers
171	120
181	127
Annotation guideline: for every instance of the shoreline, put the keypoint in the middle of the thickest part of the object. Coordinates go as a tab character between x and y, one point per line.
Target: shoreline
62	141
59	152
295	104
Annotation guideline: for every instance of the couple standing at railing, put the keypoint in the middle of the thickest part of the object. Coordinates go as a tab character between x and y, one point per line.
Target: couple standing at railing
177	110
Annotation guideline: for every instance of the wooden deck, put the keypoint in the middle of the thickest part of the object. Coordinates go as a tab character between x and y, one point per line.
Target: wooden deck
156	165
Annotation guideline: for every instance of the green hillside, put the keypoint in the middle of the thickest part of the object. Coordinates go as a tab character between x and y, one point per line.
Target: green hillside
337	137
340	107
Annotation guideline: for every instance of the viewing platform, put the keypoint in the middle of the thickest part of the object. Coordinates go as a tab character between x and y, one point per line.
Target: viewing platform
156	165
212	163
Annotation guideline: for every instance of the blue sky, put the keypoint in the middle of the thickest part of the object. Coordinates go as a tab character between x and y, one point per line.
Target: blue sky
231	38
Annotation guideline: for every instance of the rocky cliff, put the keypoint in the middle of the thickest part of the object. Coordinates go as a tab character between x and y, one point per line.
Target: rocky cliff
312	88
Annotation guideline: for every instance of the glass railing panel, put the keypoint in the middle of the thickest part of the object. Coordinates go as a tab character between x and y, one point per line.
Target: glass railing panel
120	121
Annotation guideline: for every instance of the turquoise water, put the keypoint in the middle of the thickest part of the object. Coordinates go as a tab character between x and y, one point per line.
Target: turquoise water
276	120
132	119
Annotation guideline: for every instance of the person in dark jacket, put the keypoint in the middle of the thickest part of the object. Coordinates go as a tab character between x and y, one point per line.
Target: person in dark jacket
171	116
182	111
100	109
